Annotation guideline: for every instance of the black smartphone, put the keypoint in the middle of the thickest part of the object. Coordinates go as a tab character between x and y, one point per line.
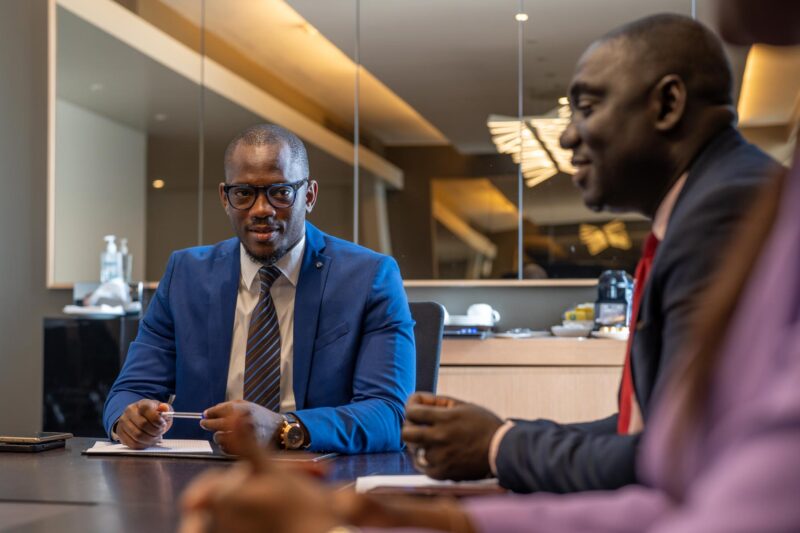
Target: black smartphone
32	447
35	438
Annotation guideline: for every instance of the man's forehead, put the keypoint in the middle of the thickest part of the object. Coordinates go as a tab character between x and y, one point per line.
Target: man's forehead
273	157
600	64
263	151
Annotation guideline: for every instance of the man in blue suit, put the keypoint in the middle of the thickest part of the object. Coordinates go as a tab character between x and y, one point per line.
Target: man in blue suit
309	336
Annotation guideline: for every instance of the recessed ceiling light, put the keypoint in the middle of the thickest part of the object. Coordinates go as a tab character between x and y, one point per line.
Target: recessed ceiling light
160	117
158	184
95	87
521	17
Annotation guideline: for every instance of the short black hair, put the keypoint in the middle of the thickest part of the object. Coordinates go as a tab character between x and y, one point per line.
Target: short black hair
676	44
263	134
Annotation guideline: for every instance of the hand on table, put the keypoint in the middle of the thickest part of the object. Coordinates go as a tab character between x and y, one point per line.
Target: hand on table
453	436
141	424
220	419
263	495
257	495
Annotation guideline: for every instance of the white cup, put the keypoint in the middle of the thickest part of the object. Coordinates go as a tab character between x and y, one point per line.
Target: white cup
483	313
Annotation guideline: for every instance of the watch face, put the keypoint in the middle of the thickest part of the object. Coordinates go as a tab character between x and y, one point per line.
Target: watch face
294	437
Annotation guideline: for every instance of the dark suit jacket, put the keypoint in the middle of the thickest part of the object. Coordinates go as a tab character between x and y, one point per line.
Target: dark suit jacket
541	455
354	362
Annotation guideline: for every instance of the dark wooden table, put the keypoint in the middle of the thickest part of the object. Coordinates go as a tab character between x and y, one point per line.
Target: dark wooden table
64	491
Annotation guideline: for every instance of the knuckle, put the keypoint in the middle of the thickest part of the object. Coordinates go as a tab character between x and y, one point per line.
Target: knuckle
439	434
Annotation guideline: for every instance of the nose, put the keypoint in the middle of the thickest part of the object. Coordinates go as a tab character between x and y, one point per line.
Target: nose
262	208
569	137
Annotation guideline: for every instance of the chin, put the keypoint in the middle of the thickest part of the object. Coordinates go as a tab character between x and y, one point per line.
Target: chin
260	254
592	202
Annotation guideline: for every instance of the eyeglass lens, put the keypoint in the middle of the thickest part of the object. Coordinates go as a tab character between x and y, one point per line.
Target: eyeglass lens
244	196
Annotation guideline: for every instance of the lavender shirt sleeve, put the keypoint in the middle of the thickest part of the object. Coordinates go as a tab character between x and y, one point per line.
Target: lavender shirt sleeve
625	510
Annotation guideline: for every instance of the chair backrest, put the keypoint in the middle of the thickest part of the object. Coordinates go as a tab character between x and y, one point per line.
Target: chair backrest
429	318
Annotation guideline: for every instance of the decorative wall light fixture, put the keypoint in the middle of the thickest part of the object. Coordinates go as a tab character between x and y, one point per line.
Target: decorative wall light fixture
537	139
610	235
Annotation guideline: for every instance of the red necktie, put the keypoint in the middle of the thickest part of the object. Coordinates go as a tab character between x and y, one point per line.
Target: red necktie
630	415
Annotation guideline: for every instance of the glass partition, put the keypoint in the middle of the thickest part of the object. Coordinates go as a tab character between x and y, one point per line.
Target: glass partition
561	237
149	93
266	63
432	73
126	142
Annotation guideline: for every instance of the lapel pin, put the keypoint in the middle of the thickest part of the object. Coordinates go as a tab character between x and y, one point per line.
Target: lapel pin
319	264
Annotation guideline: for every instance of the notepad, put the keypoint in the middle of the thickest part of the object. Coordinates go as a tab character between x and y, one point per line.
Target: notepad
198	449
166	446
425	485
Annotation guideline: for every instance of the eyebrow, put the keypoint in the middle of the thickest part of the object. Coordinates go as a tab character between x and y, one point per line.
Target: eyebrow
579	88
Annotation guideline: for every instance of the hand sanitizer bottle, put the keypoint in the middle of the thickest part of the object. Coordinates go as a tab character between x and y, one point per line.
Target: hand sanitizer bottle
110	261
127	260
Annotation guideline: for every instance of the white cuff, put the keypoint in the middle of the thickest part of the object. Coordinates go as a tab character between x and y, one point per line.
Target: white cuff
114	435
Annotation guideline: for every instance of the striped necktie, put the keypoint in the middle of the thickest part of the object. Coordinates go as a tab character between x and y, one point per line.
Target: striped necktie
262	367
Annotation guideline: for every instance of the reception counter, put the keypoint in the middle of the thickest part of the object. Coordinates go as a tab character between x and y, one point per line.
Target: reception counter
567	380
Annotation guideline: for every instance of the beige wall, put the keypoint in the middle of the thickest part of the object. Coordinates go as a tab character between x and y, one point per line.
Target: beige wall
23	232
100	186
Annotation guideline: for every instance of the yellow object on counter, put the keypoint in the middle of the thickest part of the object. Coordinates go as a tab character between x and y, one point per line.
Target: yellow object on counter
580	312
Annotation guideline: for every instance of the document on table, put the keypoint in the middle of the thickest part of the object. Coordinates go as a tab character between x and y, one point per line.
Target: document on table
166	446
197	449
420	484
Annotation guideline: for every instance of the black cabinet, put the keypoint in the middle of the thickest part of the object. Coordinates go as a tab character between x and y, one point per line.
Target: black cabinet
82	357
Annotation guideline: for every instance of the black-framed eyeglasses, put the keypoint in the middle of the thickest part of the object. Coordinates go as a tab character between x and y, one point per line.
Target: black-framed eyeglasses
279	195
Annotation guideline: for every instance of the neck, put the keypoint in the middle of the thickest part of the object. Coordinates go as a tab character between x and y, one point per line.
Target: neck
685	151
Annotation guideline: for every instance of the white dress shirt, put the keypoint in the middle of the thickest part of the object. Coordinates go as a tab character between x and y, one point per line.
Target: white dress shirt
283	293
664	211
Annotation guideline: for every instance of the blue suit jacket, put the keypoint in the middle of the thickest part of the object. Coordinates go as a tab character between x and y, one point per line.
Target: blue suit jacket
354	358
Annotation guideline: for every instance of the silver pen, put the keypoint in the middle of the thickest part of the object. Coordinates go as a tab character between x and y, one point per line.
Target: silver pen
177	414
174	414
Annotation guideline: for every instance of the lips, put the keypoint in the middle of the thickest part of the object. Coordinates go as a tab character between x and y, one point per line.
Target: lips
263	233
581	170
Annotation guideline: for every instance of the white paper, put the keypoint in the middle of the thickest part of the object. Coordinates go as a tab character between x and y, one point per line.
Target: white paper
364	484
94	310
165	446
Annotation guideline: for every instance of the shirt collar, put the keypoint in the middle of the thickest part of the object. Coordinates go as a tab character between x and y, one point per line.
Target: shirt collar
289	264
664	211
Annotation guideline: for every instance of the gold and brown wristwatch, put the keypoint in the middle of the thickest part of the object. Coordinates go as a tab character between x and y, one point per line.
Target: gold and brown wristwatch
293	435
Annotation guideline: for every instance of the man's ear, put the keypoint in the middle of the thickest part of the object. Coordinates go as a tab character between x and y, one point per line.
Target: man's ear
312	189
668	100
222	197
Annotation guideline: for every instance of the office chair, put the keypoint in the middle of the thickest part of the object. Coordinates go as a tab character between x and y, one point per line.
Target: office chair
429	318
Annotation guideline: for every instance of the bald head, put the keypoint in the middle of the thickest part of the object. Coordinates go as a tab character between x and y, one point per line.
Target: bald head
674	44
645	99
271	134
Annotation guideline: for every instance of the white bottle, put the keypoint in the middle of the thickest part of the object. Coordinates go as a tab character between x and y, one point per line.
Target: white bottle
127	260
110	261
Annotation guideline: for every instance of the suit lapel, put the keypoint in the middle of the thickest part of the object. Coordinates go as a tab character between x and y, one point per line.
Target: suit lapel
224	285
308	300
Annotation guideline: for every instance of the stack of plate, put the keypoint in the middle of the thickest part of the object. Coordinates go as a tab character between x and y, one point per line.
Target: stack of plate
573	328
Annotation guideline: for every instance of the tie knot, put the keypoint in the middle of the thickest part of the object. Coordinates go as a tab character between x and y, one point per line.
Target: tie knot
268	276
